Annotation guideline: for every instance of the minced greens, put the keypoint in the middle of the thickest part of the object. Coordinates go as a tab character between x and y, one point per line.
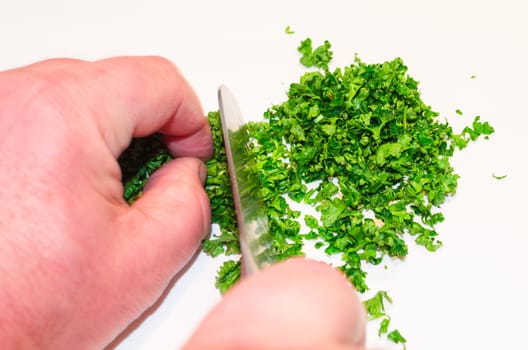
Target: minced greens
360	146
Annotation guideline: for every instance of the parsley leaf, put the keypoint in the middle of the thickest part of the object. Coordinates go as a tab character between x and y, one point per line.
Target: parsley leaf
396	337
228	274
318	57
376	305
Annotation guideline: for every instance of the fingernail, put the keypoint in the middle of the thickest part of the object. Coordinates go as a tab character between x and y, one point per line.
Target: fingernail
359	331
202	173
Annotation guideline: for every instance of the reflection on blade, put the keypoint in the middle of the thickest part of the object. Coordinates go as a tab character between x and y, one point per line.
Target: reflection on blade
255	238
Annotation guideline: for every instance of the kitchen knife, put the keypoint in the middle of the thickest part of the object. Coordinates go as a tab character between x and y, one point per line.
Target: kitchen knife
255	237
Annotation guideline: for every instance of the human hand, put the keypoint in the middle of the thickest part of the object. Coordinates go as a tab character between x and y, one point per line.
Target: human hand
78	264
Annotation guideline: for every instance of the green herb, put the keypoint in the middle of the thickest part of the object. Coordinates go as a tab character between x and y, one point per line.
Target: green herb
473	133
376	305
311	221
499	177
384	327
318	57
289	31
139	161
396	337
459	112
473	77
218	187
365	136
228	274
376	310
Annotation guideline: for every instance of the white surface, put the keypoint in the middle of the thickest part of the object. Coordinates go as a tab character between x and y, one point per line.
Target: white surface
469	295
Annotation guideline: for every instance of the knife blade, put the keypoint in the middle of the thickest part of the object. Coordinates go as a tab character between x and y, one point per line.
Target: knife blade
253	226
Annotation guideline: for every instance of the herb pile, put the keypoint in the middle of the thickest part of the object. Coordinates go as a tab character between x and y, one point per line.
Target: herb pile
360	146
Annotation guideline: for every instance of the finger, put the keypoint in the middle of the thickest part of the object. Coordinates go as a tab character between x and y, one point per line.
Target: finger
155	97
165	226
298	304
134	97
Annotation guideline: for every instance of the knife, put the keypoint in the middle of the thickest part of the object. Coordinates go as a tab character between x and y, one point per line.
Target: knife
253	226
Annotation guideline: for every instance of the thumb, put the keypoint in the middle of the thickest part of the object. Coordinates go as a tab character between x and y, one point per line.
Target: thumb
297	304
162	230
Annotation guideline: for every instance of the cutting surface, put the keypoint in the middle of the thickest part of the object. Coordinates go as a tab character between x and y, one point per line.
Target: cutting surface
471	294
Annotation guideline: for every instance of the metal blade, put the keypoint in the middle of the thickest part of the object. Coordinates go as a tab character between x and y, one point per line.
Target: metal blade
255	238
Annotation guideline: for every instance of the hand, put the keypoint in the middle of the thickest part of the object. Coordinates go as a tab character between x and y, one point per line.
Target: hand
78	264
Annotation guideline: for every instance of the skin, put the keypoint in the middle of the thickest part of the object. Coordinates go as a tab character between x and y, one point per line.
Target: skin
78	264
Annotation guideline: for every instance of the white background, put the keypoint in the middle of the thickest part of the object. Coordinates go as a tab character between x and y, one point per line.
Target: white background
469	295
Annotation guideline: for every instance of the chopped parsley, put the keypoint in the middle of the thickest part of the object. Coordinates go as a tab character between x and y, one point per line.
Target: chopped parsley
318	57
361	147
143	157
472	133
499	177
396	337
228	274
